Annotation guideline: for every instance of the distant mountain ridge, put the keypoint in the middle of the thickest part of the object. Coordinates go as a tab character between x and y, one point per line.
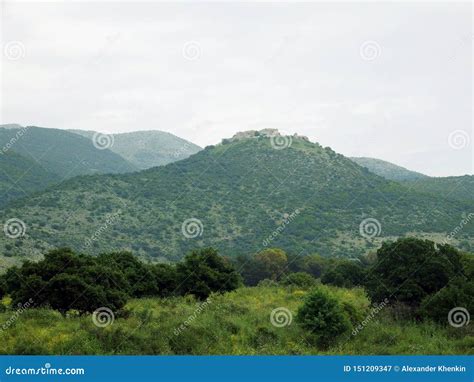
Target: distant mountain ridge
236	196
61	152
387	170
146	149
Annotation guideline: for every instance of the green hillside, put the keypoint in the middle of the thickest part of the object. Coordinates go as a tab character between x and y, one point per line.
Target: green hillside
388	170
242	195
146	149
61	152
20	176
451	187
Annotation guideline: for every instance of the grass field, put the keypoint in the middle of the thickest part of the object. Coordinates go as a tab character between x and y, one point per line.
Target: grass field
235	323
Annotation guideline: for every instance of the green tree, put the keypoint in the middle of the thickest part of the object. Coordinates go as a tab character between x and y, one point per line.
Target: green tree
410	269
204	271
324	317
345	274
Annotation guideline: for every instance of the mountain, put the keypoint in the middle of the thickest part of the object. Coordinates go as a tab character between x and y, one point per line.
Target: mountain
20	176
60	152
452	187
254	191
388	170
146	149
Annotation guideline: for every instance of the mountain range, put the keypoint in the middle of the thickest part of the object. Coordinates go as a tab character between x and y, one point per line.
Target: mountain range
146	149
33	158
252	191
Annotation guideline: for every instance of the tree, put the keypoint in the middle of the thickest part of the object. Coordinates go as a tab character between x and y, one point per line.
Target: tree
204	271
410	269
346	274
323	316
459	293
268	264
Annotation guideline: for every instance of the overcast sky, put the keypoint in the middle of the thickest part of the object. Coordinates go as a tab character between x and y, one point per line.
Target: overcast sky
391	81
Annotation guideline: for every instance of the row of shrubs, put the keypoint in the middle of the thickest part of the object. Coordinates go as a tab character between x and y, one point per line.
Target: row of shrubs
428	279
66	281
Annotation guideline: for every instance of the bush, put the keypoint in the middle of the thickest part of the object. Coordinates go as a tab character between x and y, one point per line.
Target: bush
324	317
410	269
347	274
204	271
300	279
457	294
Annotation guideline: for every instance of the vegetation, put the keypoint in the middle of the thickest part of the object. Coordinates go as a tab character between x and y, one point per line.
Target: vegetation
243	199
20	177
199	306
388	170
146	149
62	153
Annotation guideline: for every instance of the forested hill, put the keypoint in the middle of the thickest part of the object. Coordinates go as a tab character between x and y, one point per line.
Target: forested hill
61	152
240	196
388	170
146	149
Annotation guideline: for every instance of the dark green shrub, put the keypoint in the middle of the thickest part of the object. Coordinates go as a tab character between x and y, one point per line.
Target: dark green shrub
324	317
410	269
204	271
346	274
300	279
459	293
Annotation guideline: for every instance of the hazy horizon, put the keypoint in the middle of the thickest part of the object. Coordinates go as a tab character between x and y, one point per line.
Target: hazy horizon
364	79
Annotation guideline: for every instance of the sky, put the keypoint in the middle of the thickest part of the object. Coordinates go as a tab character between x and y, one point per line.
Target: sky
391	81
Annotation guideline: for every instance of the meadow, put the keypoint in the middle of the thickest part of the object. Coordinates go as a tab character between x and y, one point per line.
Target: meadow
236	323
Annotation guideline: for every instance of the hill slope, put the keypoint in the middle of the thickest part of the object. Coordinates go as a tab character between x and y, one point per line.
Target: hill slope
146	149
388	170
452	187
243	195
20	176
61	152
